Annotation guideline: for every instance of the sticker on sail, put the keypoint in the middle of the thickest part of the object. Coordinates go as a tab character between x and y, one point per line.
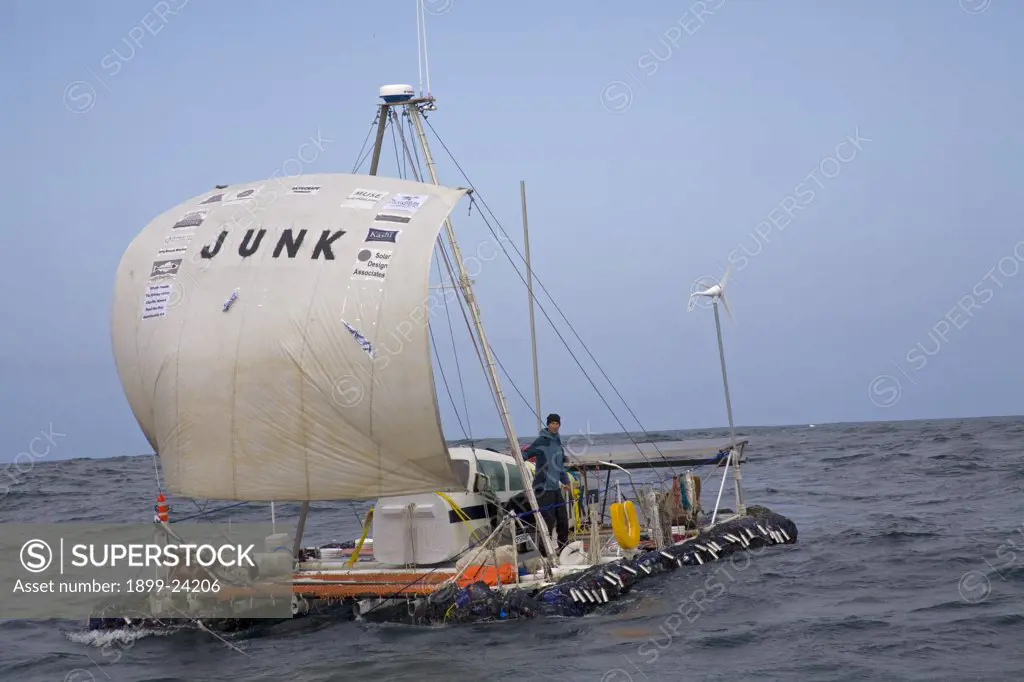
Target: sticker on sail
172	251
409	203
305	189
155	302
214	199
360	339
372	264
242	195
190	219
375	235
364	198
178	239
165	268
391	218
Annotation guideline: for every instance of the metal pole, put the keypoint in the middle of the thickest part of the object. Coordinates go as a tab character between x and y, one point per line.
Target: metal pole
721	487
733	457
607	488
489	368
725	379
382	119
529	289
299	530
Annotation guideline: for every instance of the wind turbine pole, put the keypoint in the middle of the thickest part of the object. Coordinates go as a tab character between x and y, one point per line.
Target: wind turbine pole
725	378
733	458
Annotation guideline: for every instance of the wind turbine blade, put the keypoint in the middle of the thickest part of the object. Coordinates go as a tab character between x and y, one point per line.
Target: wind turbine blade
725	278
725	303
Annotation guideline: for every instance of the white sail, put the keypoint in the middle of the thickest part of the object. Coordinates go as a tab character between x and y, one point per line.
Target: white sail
272	339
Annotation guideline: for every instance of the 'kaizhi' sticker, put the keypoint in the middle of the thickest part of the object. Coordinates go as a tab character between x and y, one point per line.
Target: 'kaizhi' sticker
376	235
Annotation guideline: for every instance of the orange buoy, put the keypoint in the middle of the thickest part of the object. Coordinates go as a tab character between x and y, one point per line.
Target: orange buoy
161	508
488	575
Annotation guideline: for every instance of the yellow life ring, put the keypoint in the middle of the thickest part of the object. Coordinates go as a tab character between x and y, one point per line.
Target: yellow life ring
625	525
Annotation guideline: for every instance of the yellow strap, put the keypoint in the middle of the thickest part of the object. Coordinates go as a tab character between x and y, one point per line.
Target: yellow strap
574	492
458	511
359	545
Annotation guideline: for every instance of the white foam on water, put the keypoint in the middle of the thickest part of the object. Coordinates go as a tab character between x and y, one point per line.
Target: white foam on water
124	636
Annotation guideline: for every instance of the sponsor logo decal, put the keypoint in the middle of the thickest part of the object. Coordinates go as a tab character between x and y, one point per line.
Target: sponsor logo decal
190	219
242	195
375	235
372	264
304	189
178	239
391	218
364	198
406	202
165	268
154	303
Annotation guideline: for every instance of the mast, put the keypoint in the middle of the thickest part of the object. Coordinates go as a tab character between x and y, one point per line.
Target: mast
382	117
489	364
529	289
405	96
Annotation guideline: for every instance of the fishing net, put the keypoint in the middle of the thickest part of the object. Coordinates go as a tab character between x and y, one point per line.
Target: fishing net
580	593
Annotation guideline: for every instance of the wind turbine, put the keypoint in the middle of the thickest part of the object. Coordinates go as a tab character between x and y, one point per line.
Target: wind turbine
716	292
713	290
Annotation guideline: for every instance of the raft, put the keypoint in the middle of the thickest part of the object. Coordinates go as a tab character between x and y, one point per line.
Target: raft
574	595
582	593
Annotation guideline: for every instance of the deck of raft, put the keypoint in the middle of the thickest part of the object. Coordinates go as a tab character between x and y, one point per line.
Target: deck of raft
371	580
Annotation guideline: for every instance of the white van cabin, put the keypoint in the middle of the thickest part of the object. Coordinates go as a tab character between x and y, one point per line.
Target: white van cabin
426	530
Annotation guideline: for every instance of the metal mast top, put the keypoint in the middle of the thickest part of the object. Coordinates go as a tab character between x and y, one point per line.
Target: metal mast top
404	95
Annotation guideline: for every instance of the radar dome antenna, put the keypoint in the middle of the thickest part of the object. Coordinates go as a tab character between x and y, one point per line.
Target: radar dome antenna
706	287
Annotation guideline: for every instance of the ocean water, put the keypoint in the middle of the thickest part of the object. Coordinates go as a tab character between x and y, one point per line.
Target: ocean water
892	517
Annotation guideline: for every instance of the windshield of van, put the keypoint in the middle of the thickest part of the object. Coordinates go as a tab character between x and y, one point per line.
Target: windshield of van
461	468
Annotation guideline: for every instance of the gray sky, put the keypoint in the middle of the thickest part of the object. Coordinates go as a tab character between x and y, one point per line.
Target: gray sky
858	163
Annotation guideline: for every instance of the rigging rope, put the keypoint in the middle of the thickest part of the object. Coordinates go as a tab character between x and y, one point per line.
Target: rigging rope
394	140
557	307
417	171
203	512
588	378
402	172
455	353
444	378
469	325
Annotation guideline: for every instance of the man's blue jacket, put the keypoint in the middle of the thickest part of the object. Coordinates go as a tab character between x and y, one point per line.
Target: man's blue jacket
550	464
